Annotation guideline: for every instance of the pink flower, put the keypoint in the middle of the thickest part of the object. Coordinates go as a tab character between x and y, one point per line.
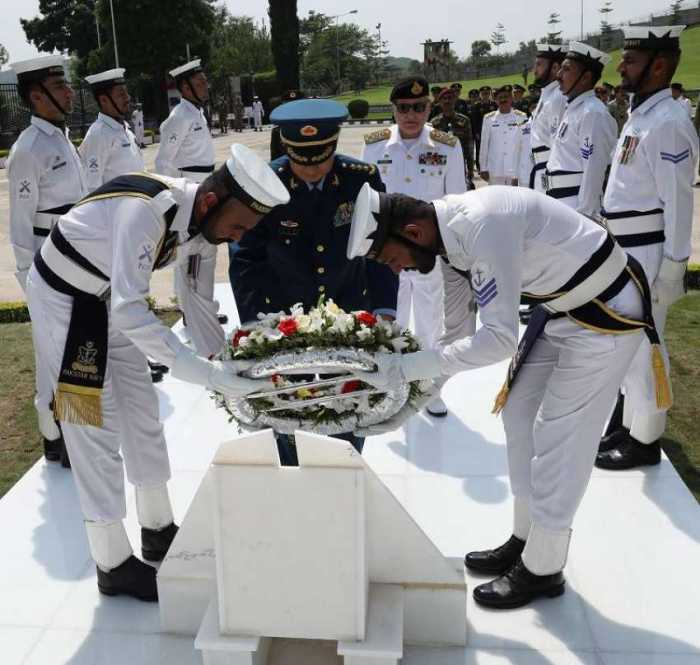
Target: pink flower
288	327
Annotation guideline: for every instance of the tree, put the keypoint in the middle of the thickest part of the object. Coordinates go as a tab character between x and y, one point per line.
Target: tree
64	25
675	11
284	30
480	48
553	34
605	26
4	55
498	36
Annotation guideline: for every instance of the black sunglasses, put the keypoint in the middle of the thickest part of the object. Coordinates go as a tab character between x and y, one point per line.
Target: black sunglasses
417	107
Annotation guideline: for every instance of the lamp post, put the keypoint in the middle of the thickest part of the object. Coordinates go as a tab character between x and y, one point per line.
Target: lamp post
337	42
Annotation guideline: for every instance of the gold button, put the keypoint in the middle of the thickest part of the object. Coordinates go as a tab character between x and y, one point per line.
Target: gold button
321	288
320	248
321	270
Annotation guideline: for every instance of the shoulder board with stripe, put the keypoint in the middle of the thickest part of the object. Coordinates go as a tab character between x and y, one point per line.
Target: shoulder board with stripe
358	167
444	137
519	112
378	135
489	114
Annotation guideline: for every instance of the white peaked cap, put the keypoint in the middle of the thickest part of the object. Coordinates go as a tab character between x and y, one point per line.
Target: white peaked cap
256	179
364	223
104	77
647	31
589	52
183	69
38	64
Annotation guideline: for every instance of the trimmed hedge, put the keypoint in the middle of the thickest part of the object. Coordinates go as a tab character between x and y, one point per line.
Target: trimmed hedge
4	153
358	108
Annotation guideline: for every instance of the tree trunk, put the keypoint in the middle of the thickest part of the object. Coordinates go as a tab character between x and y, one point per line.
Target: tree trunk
284	34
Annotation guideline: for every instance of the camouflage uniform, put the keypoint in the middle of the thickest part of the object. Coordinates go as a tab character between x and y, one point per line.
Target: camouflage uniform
460	126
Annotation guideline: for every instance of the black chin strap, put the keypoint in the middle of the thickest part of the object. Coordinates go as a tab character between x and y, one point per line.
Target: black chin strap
121	116
575	83
198	101
642	78
545	80
59	108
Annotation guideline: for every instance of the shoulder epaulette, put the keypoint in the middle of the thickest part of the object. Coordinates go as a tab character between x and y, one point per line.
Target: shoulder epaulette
378	135
519	112
489	114
358	167
443	137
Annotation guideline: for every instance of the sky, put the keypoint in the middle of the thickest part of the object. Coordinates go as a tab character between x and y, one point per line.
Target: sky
405	23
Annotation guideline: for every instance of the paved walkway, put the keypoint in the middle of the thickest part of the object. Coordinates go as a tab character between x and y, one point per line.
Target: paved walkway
161	285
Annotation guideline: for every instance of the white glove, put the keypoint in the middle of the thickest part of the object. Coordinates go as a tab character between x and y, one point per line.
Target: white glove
222	376
394	369
669	284
407	411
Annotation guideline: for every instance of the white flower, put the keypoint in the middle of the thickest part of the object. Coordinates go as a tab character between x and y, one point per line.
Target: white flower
303	322
343	323
399	344
364	333
297	309
272	334
244	341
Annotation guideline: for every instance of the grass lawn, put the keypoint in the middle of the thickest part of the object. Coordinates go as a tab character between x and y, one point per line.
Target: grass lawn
688	73
20	443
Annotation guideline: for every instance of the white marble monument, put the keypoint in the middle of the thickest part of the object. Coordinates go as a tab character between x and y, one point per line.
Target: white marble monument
322	551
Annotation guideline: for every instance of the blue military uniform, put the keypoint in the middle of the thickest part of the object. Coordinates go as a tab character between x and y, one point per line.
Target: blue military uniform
297	252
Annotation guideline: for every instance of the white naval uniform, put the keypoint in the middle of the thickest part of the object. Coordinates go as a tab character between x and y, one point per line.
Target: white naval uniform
258	113
426	169
44	175
653	171
499	153
581	154
137	122
515	240
108	150
121	236
545	123
686	104
525	161
186	144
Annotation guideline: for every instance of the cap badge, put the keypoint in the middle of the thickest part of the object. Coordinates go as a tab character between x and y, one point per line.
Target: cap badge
292	95
308	131
416	88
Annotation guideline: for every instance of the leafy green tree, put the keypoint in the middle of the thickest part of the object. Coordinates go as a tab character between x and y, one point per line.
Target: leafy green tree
480	48
284	30
675	11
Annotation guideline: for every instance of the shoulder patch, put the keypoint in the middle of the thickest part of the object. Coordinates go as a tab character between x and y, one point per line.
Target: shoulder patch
378	135
443	137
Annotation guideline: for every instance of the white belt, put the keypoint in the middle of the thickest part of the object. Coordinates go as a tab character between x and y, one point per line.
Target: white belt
563	180
45	220
541	155
71	272
626	226
194	176
593	285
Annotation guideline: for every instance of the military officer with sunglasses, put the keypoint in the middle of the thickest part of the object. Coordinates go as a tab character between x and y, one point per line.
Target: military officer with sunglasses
415	159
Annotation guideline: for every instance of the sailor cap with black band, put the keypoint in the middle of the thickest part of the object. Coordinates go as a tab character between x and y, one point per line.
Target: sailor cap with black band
369	227
106	80
36	71
591	58
188	69
555	52
309	129
652	37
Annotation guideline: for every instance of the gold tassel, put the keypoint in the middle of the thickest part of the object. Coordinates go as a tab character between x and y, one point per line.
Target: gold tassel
501	399
72	405
664	399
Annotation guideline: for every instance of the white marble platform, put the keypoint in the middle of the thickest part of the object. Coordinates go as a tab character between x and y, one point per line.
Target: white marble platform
633	586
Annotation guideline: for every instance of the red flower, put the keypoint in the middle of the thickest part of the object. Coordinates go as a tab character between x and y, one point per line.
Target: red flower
350	387
277	379
368	319
240	334
288	327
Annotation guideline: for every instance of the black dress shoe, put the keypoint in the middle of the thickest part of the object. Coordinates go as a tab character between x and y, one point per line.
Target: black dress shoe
52	449
155	543
613	439
517	587
498	560
159	367
629	454
132	578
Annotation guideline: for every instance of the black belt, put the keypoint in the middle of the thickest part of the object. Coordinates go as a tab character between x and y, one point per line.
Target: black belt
563	192
198	169
42	233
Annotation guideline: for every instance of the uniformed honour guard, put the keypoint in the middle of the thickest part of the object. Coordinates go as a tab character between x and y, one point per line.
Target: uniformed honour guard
238	114
499	157
297	253
520	243
619	108
519	101
258	113
648	207
276	146
415	159
138	124
45	178
457	124
678	93
110	148
483	105
548	112
461	105
583	146
88	286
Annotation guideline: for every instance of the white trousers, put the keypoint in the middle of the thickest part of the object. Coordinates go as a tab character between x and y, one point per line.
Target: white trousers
641	416
553	419
130	413
425	295
139	134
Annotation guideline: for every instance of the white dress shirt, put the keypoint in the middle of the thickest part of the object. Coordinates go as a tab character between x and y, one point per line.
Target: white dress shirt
544	125
499	153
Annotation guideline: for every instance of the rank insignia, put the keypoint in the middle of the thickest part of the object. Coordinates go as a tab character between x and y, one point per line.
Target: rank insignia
628	148
343	215
25	189
289	227
432	159
586	149
675	158
562	129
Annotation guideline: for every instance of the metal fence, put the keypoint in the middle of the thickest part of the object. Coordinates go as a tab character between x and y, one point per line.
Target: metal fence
15	116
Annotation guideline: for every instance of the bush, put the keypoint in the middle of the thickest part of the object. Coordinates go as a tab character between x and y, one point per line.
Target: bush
13	312
4	153
358	108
